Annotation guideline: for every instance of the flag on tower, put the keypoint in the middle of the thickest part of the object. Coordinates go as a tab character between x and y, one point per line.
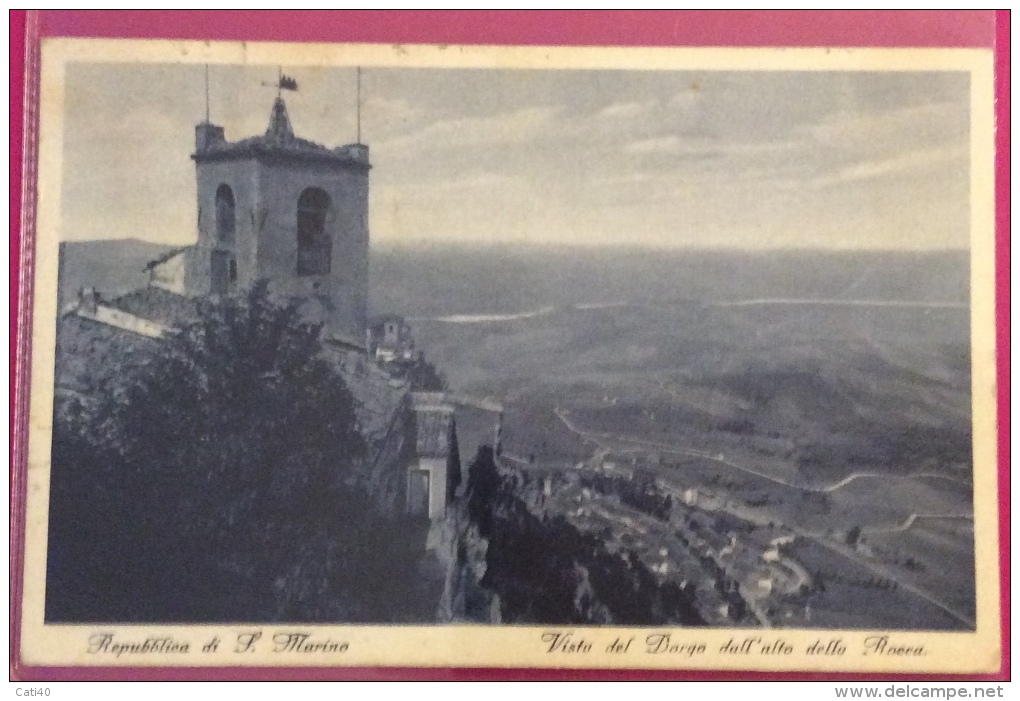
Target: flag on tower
288	83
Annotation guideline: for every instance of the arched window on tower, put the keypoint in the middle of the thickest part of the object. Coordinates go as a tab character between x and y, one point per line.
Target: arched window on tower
314	247
225	221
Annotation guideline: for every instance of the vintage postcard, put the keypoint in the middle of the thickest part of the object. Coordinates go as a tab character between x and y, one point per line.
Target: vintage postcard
444	356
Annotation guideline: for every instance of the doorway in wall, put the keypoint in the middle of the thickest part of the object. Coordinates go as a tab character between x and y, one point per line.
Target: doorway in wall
418	493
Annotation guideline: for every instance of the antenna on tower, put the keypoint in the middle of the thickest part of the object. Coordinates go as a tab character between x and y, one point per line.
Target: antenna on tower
207	93
359	104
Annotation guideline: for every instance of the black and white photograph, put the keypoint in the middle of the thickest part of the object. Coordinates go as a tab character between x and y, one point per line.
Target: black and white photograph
384	345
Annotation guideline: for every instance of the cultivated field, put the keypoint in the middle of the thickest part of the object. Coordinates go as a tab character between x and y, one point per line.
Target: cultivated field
841	422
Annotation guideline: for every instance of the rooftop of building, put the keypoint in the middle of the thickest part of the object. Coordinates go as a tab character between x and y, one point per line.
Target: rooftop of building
169	255
435	431
279	140
158	305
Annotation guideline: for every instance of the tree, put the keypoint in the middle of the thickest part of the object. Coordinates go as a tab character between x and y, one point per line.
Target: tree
218	475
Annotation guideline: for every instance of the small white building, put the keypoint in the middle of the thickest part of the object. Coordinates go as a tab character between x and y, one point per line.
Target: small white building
390	340
434	473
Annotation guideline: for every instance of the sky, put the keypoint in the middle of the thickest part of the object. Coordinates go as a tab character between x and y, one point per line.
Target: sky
674	159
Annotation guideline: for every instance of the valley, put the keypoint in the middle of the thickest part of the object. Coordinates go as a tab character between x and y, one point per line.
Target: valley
789	433
800	465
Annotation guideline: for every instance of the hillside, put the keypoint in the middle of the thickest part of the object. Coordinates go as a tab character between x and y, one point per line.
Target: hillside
112	266
437	279
440	280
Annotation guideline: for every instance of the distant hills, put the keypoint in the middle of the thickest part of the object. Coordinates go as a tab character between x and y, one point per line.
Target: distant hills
448	280
444	279
112	266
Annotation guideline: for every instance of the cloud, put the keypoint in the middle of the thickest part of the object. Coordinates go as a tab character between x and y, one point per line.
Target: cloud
507	127
897	129
832	150
473	181
625	110
908	163
900	143
566	155
661	144
632	178
706	148
686	101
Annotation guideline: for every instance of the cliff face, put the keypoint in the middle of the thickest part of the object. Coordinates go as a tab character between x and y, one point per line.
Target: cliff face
508	564
386	421
462	552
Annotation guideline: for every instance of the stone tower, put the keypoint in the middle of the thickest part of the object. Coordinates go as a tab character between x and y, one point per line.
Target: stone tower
287	210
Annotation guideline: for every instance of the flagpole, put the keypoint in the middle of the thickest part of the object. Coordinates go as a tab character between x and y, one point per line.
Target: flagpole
359	104
207	93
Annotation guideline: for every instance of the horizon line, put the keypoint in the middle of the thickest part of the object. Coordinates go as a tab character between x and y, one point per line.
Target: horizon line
650	247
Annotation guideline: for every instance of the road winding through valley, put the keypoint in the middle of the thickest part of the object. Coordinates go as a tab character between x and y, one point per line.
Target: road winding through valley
600	440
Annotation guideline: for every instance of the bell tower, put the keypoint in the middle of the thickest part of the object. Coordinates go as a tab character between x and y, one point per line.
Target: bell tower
280	208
